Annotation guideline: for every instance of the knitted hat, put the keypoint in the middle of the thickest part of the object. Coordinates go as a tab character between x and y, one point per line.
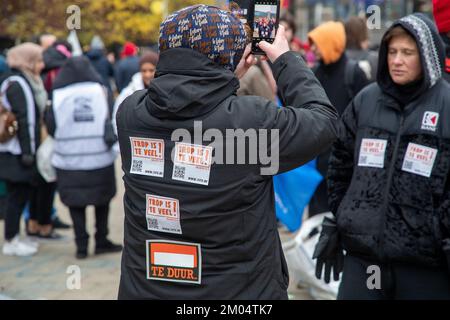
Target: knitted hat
217	34
149	57
441	11
129	50
97	43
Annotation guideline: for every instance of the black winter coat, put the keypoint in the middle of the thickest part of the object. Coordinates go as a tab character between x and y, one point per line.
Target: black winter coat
389	175
125	70
11	167
231	220
101	65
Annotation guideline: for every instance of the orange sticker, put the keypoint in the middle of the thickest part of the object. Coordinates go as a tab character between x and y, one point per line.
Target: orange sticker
174	261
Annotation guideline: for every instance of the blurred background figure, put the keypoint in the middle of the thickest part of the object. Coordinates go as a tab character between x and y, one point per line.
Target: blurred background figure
101	64
441	11
259	81
3	65
357	46
139	81
342	79
84	162
47	40
44	225
23	93
127	66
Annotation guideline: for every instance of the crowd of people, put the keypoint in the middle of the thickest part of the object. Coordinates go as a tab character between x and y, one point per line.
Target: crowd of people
376	121
70	102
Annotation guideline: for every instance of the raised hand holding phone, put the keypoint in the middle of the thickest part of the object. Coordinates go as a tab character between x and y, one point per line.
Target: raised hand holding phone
280	45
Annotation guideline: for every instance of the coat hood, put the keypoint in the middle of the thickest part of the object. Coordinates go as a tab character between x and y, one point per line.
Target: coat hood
75	70
54	58
330	38
95	54
431	49
188	84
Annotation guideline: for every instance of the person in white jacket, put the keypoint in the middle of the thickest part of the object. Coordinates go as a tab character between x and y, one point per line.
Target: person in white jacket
140	81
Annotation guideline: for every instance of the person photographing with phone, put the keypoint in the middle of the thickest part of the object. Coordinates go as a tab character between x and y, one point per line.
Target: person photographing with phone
223	242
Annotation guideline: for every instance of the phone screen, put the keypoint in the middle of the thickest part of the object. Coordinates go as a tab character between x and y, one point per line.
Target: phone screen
265	23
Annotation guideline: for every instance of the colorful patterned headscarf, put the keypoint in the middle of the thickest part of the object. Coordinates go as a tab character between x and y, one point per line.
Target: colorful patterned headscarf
216	33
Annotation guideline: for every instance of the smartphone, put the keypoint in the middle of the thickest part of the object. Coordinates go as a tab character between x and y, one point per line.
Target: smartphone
265	17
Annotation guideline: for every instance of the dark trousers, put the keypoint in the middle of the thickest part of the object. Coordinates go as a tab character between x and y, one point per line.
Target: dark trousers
78	215
398	281
17	198
41	202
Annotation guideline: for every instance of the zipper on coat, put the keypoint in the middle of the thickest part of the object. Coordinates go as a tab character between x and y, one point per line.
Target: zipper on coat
384	207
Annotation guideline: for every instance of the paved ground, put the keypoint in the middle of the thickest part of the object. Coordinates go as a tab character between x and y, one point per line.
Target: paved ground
44	275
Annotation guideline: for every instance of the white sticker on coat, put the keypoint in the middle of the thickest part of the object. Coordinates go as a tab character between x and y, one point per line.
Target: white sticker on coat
419	160
192	163
372	153
162	214
147	157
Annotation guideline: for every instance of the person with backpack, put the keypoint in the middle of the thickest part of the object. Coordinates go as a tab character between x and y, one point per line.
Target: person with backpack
23	94
341	79
357	47
83	156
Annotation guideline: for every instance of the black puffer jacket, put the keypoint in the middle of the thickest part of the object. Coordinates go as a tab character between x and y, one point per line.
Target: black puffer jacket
232	218
388	206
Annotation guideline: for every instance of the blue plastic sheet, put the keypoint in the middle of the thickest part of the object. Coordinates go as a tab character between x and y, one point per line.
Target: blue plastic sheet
293	191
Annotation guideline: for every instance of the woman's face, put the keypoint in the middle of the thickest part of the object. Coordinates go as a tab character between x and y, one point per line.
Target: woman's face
404	60
148	73
39	66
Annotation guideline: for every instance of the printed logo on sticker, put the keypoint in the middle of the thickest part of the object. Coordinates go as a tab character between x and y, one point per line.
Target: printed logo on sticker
419	160
371	153
174	261
192	163
163	214
430	121
147	157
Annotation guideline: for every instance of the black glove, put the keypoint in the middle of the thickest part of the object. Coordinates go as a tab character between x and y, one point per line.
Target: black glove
27	160
446	248
329	251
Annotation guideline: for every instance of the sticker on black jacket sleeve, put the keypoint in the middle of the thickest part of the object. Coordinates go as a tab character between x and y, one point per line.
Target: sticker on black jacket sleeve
419	160
192	163
162	214
174	261
147	157
371	153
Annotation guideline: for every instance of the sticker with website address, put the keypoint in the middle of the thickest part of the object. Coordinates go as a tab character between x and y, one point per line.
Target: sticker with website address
147	157
372	152
174	261
192	163
419	160
163	214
